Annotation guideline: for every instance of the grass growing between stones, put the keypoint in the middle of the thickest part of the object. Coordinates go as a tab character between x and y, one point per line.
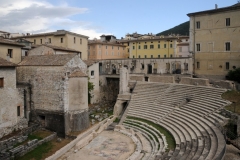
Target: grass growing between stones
169	138
45	150
39	135
37	153
234	97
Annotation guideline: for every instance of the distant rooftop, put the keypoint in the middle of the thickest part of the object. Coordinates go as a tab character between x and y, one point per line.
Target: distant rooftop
217	10
90	62
5	63
57	48
56	33
47	60
10	42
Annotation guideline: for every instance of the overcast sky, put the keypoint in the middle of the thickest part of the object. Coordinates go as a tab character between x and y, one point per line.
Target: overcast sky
96	17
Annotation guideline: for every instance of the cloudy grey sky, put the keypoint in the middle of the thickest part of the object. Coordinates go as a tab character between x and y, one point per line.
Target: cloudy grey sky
96	17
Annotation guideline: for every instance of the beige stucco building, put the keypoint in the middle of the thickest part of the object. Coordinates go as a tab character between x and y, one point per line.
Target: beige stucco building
108	47
151	46
214	41
60	38
10	50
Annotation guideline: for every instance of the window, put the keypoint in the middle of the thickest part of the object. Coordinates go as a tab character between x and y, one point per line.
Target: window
198	65
1	82
118	53
158	45
142	65
49	40
34	41
185	66
106	47
145	56
198	47
227	46
227	21
106	53
112	47
158	56
99	46
165	46
151	46
227	65
139	56
26	53
92	74
139	47
133	47
145	46
180	49
80	41
171	55
170	45
18	110
10	53
165	55
74	39
198	24
118	48
41	41
61	40
151	56
133	57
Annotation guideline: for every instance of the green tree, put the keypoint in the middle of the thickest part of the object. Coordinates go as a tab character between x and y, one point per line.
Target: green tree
90	88
234	75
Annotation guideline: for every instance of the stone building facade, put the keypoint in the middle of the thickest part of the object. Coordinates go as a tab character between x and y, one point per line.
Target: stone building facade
60	38
214	41
58	91
12	108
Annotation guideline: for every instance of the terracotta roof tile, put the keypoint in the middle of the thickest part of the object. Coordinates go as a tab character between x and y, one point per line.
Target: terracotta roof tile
77	74
47	60
10	42
90	62
5	63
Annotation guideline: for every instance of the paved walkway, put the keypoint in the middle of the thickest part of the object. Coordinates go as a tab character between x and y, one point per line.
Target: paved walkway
232	153
108	145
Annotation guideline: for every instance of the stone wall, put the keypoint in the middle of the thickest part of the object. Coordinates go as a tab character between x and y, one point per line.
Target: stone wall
137	77
76	121
225	84
148	65
162	79
11	99
194	81
124	78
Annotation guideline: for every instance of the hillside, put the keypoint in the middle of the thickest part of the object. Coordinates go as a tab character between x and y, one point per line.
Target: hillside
182	29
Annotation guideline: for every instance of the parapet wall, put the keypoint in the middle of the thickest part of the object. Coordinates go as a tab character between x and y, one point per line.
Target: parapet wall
162	79
194	81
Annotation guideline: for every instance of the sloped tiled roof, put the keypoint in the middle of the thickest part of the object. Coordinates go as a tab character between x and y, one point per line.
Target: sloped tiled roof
77	74
10	42
5	63
47	60
56	48
90	62
217	10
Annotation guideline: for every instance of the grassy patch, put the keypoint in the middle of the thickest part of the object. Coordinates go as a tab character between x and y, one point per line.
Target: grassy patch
45	150
116	120
234	97
170	139
37	153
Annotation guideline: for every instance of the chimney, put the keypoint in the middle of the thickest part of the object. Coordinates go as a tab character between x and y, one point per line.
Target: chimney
216	6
